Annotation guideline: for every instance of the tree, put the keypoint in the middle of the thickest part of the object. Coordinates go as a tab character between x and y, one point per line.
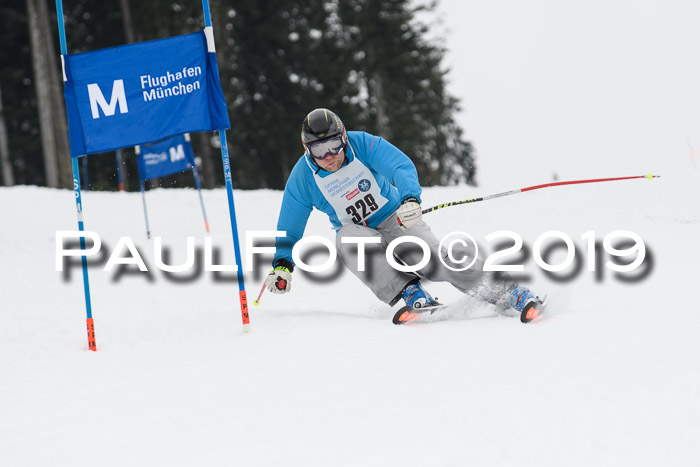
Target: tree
42	85
285	59
58	109
8	178
368	60
18	96
407	99
128	23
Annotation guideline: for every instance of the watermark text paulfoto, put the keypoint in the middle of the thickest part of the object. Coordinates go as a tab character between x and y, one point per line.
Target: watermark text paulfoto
458	251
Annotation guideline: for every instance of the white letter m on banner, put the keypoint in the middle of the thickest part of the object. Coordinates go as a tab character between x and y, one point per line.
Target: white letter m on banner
118	97
177	153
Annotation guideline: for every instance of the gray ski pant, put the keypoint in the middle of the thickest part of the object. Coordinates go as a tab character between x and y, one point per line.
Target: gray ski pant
387	283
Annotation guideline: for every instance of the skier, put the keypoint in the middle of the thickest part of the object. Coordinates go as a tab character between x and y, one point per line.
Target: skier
369	188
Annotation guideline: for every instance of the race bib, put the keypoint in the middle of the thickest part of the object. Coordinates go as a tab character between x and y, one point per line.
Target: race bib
353	192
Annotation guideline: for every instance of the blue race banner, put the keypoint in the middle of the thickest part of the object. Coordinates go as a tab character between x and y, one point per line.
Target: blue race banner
165	157
140	93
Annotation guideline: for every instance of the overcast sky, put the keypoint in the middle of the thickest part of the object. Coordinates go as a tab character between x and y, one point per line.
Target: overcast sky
586	89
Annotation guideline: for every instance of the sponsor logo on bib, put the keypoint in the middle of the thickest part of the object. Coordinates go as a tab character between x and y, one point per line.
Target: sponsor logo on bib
352	194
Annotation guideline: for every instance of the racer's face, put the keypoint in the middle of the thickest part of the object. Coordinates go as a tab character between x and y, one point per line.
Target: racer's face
332	163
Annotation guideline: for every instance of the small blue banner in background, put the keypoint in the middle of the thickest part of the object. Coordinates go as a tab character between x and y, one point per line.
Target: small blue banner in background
165	158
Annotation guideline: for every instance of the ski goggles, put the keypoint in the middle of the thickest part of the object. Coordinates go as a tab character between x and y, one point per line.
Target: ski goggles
327	147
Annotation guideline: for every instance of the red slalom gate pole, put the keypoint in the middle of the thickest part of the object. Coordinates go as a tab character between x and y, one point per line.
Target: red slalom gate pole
536	187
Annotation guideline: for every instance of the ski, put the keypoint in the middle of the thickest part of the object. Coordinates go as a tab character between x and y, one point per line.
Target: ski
532	310
407	313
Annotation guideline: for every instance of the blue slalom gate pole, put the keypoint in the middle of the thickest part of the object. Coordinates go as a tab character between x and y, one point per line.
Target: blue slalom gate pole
120	178
229	190
207	14
234	229
92	343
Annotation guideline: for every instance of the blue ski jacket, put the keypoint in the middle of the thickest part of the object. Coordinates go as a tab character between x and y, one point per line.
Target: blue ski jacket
392	169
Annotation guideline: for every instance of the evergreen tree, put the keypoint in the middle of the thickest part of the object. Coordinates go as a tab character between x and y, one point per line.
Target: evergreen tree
8	176
408	102
18	95
284	60
368	60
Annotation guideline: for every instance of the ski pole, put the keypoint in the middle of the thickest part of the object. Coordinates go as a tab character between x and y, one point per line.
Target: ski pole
535	187
256	302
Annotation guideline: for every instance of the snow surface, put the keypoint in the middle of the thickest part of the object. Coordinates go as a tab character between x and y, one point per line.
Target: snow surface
609	377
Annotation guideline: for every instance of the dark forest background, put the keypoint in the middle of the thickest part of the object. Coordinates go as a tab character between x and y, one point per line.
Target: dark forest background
371	61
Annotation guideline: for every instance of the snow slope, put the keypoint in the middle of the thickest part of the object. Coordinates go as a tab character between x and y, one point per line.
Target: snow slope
610	377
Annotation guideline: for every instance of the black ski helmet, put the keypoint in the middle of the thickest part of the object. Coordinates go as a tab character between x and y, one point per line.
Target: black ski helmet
321	124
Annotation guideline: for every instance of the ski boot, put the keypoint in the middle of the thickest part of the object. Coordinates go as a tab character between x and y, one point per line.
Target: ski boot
417	300
526	303
416	296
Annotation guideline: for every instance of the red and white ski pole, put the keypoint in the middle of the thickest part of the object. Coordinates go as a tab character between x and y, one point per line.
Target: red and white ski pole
256	302
535	187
